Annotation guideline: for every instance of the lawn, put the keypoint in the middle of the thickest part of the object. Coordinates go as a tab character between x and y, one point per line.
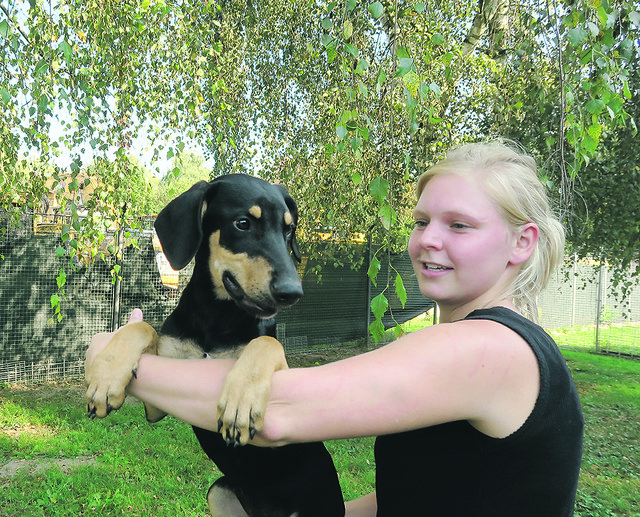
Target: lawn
122	465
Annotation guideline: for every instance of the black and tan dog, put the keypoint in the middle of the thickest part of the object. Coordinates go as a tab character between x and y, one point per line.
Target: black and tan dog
240	230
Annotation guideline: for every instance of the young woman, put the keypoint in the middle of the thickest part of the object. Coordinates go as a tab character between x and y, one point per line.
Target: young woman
477	415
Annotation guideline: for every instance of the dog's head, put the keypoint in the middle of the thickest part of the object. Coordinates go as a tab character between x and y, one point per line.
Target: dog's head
241	228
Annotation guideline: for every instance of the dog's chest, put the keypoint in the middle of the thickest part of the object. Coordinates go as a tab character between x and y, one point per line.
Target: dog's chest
169	346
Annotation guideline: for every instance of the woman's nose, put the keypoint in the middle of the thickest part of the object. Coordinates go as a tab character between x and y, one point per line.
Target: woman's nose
431	237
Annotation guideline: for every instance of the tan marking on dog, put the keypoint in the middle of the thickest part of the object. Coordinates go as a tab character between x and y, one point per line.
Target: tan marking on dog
169	346
245	393
203	210
287	218
256	211
112	369
253	274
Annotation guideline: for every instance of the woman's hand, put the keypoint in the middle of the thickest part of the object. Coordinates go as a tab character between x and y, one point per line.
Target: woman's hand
100	340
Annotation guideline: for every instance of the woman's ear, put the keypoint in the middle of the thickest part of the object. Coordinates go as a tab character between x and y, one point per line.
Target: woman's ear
525	242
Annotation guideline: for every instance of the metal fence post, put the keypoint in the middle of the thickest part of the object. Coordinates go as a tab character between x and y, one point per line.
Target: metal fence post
599	307
115	305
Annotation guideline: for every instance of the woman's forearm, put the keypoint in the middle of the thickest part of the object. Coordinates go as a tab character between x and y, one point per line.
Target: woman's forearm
365	506
186	389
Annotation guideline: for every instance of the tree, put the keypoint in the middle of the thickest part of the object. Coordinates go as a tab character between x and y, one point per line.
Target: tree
188	169
345	102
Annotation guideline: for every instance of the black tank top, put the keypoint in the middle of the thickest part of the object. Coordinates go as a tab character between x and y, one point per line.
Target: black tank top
454	470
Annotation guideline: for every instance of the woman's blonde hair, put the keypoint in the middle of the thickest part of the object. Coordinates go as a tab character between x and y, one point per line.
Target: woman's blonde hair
510	178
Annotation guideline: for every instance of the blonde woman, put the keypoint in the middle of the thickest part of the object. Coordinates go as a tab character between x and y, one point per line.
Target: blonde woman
477	415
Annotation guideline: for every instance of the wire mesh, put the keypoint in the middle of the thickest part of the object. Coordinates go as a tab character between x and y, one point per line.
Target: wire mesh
35	347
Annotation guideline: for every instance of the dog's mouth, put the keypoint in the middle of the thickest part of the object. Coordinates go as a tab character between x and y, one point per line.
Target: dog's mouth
244	301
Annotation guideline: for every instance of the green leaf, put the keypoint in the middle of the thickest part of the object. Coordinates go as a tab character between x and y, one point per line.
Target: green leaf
411	82
331	54
41	67
589	143
327	23
363	64
405	65
61	279
595	130
419	7
4	28
373	270
401	292
376	9
402	52
55	300
437	39
347	29
386	216
377	330
6	96
594	106
379	305
60	252
341	131
352	49
577	36
379	189
67	50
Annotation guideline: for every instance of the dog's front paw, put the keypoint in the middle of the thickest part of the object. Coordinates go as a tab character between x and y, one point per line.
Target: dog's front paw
112	369
106	383
245	393
241	408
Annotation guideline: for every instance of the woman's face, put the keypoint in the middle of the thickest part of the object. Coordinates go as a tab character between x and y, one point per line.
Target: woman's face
461	247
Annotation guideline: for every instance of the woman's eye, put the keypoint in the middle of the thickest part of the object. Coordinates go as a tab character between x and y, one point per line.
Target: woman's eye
459	226
421	223
242	224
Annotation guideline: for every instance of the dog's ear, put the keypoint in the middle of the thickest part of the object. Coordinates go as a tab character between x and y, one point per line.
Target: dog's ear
293	208
179	225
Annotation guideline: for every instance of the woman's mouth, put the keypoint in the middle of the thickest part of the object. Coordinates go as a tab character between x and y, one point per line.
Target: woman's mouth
434	268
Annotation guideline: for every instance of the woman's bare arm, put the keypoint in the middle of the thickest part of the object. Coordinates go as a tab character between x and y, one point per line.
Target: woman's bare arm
478	371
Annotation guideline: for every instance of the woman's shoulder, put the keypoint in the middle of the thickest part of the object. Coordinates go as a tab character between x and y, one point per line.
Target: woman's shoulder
478	369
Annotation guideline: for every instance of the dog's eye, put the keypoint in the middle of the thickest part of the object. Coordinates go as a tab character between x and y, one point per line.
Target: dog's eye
242	224
288	231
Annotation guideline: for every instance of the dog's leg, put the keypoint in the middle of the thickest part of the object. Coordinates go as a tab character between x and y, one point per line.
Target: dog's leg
223	502
246	389
114	366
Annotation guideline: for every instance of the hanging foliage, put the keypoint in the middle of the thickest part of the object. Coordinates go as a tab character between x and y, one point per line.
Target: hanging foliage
346	102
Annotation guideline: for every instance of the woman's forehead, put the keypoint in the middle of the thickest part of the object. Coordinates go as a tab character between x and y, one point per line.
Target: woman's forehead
455	193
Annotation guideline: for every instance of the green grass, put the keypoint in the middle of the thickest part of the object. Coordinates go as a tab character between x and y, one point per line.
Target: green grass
159	470
619	339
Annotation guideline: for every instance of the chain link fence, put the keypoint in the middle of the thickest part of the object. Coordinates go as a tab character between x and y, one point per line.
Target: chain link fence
334	311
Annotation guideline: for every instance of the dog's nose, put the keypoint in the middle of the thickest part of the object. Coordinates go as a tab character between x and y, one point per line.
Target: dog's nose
286	293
